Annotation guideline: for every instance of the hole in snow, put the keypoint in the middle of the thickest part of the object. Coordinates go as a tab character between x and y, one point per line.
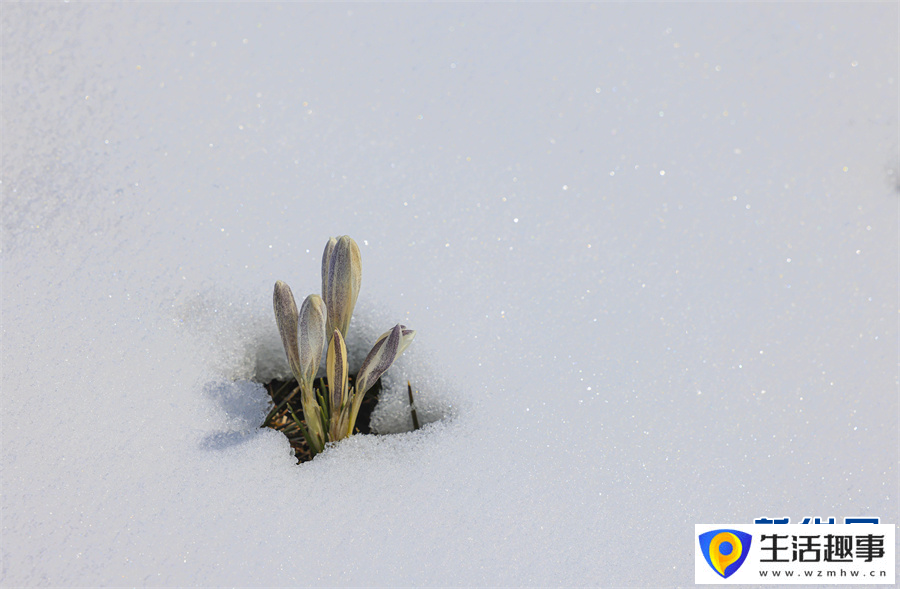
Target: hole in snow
386	407
286	411
239	341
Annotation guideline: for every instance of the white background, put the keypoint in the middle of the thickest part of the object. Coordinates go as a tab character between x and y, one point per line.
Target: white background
650	252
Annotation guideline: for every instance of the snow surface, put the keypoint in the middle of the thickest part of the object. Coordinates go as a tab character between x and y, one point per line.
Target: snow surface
650	252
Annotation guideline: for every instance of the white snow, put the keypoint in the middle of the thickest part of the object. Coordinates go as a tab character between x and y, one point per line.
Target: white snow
650	252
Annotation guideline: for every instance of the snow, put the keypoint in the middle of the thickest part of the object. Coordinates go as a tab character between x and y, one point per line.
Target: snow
650	252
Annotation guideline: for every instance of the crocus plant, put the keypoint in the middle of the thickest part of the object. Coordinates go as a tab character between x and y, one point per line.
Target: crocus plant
321	326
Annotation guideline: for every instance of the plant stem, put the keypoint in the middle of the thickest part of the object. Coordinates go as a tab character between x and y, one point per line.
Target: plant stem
303	430
412	406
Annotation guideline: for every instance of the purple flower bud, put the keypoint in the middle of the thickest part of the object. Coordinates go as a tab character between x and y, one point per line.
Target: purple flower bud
341	278
336	365
312	337
286	317
380	358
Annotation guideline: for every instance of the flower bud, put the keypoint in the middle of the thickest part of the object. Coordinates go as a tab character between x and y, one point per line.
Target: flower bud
326	262
336	365
341	277
380	358
286	317
406	338
312	336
